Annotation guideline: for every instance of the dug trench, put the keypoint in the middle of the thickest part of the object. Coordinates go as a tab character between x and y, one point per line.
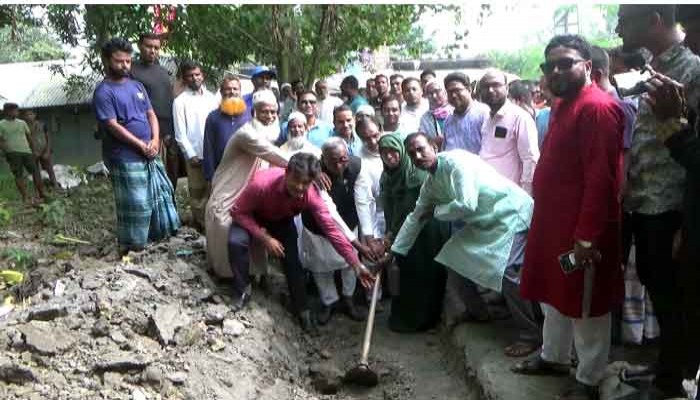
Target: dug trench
87	324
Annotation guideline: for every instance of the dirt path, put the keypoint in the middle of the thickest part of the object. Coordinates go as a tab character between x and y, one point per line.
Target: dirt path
411	366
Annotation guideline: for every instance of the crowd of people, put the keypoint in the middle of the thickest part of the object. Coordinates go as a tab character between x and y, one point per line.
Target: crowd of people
455	190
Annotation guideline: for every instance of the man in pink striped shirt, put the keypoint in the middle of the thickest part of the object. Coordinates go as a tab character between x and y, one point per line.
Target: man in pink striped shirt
265	210
509	134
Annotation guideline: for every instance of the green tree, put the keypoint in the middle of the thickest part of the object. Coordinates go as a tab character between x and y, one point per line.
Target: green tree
29	44
15	16
524	62
302	41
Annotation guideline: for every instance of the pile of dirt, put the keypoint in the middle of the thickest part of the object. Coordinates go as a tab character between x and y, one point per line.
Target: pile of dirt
88	324
155	325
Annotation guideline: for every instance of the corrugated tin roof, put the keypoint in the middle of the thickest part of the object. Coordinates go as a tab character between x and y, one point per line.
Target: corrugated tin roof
35	85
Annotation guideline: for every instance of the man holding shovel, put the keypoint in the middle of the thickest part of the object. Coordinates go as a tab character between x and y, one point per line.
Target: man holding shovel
265	210
494	214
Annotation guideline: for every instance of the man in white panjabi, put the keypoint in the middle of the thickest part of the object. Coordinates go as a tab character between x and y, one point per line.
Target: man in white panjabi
250	149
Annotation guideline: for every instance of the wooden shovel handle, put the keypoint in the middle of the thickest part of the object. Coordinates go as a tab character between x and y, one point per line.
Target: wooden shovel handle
370	320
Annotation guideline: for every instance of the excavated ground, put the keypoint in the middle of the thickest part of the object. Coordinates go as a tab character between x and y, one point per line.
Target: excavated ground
89	325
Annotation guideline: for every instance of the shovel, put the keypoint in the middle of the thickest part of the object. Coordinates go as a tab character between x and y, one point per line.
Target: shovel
362	374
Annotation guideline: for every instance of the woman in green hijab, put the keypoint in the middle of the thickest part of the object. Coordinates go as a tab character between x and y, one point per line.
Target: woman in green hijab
422	280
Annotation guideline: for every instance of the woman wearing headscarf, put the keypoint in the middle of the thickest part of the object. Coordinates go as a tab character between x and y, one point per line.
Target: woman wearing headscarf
422	280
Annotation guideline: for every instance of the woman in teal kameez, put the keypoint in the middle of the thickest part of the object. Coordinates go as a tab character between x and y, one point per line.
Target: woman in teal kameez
422	280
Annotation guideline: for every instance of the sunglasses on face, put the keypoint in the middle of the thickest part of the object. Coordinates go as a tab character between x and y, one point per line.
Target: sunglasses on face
562	64
307	101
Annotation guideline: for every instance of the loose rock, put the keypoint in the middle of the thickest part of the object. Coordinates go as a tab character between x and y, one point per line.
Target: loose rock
165	320
14	373
215	314
48	312
122	362
233	327
178	378
137	394
46	338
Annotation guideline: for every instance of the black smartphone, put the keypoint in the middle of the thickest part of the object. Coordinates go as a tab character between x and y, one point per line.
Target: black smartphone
568	262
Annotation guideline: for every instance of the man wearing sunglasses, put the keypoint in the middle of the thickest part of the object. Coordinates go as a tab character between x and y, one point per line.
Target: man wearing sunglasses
653	199
577	207
318	130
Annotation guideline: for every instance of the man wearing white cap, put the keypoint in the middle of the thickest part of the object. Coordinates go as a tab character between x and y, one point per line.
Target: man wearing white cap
364	110
297	142
250	149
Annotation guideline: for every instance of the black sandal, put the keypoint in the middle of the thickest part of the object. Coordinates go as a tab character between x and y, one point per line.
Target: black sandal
538	366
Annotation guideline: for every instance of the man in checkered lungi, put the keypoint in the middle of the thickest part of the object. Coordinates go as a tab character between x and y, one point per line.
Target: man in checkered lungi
143	194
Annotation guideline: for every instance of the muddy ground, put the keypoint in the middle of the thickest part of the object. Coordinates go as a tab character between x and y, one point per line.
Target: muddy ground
87	324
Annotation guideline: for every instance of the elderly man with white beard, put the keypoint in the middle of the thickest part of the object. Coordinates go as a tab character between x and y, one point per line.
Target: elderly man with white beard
297	140
250	149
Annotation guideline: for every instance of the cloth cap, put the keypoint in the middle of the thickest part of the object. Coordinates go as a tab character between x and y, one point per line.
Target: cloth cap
297	115
264	96
365	109
262	70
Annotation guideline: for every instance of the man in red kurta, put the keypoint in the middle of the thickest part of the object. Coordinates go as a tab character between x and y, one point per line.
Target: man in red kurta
577	207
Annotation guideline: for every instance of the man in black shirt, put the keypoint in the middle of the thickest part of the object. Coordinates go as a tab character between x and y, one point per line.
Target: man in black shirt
158	84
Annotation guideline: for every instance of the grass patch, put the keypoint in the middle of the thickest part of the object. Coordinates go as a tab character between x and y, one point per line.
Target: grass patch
17	259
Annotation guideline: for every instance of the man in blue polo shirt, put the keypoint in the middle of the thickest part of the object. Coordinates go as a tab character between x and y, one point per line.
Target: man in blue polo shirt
344	127
143	193
318	131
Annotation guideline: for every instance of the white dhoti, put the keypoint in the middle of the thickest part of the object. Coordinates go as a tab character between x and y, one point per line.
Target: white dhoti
591	337
319	257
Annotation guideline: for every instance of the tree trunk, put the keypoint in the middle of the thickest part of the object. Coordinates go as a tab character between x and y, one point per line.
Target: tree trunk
283	67
327	15
13	21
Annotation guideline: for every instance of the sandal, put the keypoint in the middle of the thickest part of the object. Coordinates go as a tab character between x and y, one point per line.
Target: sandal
538	366
520	349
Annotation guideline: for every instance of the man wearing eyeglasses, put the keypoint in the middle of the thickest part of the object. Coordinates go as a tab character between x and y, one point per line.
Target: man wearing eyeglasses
509	134
318	130
577	208
653	199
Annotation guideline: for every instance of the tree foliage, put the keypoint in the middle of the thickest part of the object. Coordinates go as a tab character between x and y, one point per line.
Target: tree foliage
525	61
302	41
30	44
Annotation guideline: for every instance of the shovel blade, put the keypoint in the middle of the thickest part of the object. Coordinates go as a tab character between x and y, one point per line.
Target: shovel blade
362	375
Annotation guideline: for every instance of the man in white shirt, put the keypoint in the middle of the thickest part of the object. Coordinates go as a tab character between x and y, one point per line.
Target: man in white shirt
326	103
369	209
190	111
415	106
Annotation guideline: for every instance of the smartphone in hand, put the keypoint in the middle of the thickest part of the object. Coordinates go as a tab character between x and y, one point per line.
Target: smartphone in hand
568	262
